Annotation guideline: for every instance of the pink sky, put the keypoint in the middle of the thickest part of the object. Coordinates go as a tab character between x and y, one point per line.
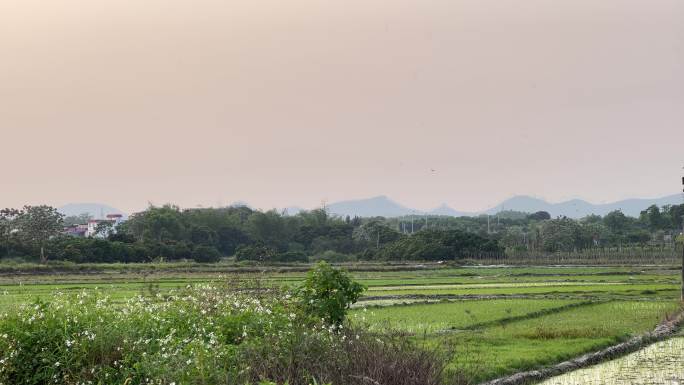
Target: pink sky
293	102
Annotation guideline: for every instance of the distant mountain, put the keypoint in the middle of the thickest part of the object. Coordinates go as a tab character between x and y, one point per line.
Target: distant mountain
445	209
96	210
575	208
386	207
371	207
293	210
578	208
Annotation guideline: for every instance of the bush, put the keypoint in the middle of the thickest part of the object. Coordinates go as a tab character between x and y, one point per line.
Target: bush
195	336
349	356
190	337
206	254
327	293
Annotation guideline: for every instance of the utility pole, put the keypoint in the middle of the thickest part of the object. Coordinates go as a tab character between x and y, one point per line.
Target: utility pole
682	238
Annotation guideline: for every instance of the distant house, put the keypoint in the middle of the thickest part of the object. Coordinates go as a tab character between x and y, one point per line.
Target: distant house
76	230
89	229
116	218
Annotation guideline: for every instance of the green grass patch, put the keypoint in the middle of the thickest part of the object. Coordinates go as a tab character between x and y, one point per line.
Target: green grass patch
444	316
531	343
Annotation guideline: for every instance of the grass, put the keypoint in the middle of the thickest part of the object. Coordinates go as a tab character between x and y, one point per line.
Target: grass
668	291
445	316
545	340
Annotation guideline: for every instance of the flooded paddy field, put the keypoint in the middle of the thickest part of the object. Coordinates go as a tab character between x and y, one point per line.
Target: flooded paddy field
659	364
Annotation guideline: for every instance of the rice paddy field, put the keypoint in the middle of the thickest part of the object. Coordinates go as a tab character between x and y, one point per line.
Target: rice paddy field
492	321
659	364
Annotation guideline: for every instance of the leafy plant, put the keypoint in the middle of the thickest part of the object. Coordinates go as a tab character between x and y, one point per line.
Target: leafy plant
327	293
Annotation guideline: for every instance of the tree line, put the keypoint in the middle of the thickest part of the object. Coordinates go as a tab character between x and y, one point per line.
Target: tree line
208	234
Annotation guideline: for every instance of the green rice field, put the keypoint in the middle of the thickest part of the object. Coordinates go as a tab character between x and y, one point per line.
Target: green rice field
492	321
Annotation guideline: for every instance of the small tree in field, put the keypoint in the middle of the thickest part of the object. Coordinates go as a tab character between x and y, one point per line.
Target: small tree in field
327	293
40	223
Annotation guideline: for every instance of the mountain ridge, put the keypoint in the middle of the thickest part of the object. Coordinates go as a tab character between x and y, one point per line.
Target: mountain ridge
384	206
96	210
573	208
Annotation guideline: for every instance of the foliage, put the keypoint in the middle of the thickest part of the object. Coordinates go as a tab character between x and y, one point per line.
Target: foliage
206	334
104	228
564	234
206	254
80	219
8	225
540	216
170	233
327	293
439	245
37	224
257	253
292	256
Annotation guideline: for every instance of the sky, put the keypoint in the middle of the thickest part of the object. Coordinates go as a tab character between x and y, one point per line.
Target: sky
292	103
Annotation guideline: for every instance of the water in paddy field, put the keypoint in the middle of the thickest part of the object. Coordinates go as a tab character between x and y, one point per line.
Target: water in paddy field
659	364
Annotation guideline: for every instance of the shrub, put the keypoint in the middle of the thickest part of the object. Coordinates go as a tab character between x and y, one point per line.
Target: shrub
327	293
189	337
206	254
348	356
200	335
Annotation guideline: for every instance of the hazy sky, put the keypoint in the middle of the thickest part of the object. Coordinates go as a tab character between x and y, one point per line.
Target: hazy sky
293	102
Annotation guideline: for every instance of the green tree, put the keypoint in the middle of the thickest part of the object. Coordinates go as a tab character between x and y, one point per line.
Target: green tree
8	224
376	233
103	229
327	293
38	224
80	219
675	213
157	223
434	244
565	234
540	216
653	218
206	254
269	228
616	221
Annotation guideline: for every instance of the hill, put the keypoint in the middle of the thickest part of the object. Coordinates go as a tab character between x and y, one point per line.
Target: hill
96	210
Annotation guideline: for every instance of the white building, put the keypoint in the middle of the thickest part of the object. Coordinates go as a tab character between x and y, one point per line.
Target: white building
114	219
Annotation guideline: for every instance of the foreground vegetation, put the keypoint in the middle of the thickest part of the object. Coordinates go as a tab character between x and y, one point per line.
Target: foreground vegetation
207	334
453	325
